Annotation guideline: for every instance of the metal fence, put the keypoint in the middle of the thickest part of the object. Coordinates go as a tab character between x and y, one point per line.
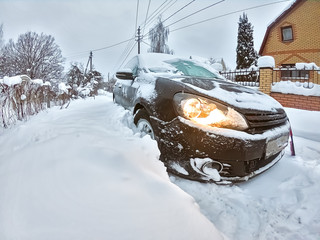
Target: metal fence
245	77
307	77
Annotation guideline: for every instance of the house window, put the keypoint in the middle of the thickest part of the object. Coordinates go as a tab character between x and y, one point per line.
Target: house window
289	72
287	34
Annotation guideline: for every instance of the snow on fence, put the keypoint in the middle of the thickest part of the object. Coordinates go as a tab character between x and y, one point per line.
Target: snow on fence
306	76
245	77
21	97
303	74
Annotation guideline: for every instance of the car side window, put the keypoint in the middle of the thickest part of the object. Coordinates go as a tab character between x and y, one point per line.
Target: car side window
133	65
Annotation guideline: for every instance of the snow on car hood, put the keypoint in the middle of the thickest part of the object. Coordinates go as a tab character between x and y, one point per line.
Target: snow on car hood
232	94
212	85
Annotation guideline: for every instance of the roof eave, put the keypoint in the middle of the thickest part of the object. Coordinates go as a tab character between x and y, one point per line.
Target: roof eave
278	19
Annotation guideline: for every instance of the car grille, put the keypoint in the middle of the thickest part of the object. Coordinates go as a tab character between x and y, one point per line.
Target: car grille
261	122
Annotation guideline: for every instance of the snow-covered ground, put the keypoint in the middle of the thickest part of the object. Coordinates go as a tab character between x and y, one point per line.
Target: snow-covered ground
282	203
83	173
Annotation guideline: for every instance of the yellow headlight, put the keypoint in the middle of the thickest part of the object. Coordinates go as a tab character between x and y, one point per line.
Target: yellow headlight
208	112
191	107
214	117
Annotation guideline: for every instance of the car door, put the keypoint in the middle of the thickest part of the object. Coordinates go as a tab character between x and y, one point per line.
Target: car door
128	88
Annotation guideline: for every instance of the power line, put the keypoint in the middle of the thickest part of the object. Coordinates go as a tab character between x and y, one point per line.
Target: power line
178	11
128	54
130	40
168	7
146	43
227	14
154	13
196	12
190	15
160	11
145	35
145	21
76	55
113	45
127	49
124	53
98	49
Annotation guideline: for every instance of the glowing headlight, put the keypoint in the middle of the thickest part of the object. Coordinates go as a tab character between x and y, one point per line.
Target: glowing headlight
207	112
191	107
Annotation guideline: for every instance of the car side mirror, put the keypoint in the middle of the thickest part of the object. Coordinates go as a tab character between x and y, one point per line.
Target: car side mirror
125	74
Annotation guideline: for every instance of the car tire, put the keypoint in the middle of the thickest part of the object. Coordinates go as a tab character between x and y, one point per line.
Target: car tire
143	123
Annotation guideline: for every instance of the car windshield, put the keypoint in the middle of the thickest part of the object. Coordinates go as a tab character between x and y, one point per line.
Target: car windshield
189	68
163	63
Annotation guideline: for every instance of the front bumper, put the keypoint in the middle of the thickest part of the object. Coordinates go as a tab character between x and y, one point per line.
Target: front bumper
241	155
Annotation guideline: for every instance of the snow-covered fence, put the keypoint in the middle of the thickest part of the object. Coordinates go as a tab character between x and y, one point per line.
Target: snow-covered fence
21	97
294	86
304	75
246	77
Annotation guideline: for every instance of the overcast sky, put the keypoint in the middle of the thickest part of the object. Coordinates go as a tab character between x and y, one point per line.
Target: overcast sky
79	26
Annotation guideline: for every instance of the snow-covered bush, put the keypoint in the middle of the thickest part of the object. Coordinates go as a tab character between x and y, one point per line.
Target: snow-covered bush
21	97
83	84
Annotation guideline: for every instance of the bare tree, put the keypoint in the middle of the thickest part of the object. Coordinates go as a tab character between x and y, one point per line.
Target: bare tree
37	56
158	37
1	36
1	54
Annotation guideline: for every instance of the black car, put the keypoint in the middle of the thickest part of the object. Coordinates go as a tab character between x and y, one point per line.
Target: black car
207	128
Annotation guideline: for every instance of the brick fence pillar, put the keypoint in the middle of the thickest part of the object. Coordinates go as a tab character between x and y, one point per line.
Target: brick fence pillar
266	74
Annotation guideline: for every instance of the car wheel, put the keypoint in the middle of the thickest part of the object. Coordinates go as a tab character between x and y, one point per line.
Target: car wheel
142	121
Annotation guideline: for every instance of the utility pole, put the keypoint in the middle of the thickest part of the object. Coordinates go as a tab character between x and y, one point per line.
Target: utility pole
90	58
89	62
139	39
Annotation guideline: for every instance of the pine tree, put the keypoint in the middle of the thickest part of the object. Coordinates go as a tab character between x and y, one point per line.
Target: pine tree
158	37
246	55
75	76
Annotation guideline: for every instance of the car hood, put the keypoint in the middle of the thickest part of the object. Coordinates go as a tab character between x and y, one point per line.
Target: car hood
235	95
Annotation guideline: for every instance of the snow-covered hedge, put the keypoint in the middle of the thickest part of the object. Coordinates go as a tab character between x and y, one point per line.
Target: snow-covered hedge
21	97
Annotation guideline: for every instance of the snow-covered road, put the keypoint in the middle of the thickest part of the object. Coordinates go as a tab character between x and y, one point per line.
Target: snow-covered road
82	173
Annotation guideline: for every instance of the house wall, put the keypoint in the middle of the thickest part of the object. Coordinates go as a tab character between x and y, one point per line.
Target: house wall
305	47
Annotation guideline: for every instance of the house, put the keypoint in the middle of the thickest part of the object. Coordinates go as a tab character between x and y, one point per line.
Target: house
294	37
293	40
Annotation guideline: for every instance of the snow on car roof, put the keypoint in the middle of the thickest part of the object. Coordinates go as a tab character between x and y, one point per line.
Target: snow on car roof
155	59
